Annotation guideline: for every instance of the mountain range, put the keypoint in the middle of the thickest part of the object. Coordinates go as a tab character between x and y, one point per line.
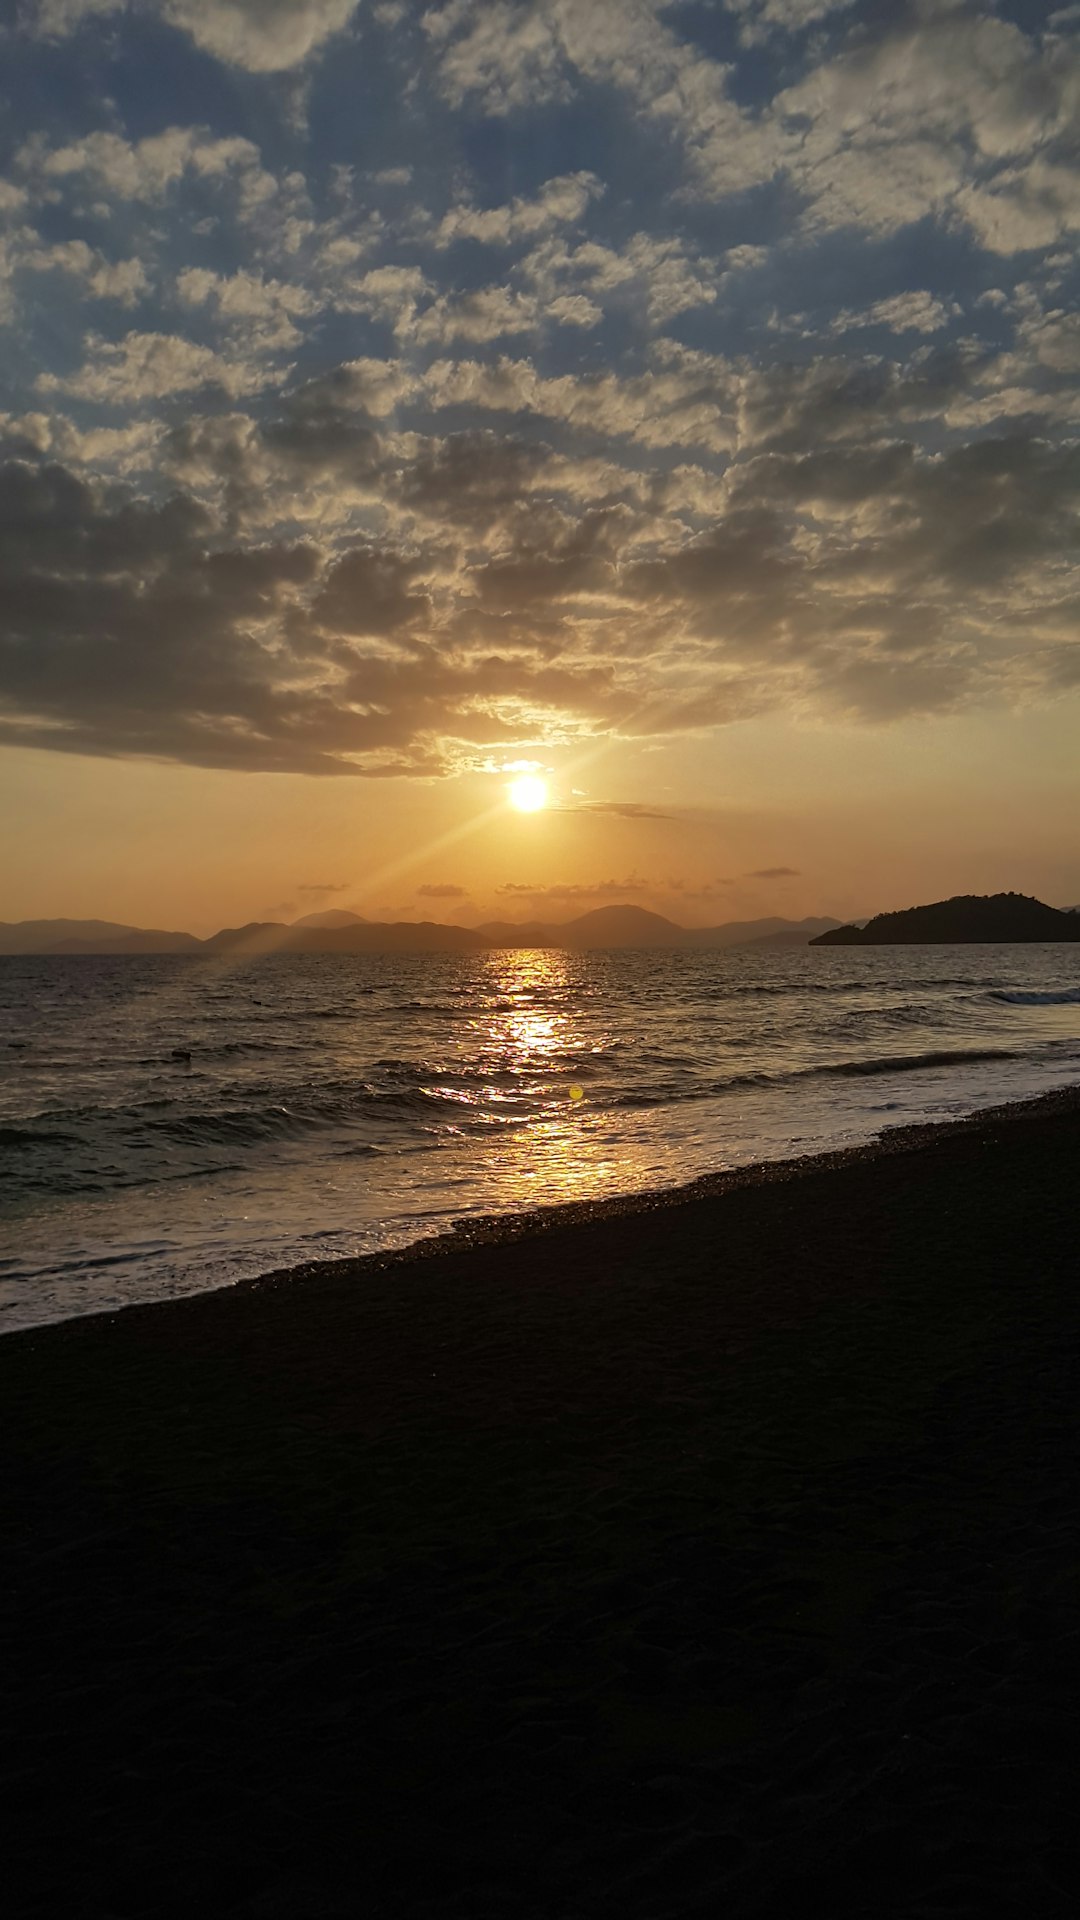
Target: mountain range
338	931
966	918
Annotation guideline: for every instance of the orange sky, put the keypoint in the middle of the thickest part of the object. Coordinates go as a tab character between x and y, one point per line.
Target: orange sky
865	819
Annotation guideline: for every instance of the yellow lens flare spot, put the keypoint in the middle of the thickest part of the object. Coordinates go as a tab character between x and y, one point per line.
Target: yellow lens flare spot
577	1093
528	793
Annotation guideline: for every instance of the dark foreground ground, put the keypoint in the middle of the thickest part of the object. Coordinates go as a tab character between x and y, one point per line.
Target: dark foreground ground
713	1558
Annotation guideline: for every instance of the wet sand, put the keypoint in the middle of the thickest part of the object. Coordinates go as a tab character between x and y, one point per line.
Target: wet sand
714	1553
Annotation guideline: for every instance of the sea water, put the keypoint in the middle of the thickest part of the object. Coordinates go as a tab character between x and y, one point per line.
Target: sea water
169	1125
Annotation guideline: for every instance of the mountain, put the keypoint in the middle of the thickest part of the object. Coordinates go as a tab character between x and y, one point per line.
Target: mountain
620	927
333	917
784	942
604	927
338	931
255	935
90	936
968	917
636	927
395	936
763	933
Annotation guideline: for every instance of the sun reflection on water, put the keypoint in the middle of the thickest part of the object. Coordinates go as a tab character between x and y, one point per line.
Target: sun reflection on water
533	1050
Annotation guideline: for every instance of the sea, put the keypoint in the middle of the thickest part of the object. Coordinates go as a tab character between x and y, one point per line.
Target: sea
170	1125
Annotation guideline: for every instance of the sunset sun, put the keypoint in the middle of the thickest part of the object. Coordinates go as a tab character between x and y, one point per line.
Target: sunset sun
528	793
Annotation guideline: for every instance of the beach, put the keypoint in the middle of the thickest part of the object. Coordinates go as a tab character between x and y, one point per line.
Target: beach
705	1552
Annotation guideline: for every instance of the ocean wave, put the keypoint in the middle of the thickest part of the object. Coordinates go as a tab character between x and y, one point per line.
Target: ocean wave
229	1126
1023	997
842	1069
796	989
27	1137
405	1091
915	1062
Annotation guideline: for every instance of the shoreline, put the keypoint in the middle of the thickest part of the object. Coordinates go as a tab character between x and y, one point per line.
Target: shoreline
710	1554
511	1227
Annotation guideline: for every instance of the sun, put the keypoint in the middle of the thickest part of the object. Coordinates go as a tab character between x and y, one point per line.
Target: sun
529	793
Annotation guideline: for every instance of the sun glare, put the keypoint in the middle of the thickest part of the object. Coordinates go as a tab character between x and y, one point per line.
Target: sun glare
529	793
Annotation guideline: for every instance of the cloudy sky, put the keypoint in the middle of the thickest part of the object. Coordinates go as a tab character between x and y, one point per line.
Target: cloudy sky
678	396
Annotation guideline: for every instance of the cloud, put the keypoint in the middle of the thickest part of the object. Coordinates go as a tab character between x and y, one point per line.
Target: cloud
681	404
884	130
320	886
626	809
560	202
386	293
124	281
900	126
63	16
763	18
264	36
261	311
150	366
859	580
488	314
442	893
916	312
773	873
368	592
660	277
573	892
646	446
508	56
145	170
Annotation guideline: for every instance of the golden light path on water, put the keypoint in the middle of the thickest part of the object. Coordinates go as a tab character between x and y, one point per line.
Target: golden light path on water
547	1144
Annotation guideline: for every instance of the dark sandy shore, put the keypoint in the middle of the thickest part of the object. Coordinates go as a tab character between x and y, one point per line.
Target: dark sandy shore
711	1555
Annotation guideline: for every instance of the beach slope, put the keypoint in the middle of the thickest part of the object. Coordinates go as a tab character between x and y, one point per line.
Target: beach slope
714	1553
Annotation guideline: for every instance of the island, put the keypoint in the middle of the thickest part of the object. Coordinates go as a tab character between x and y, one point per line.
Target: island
967	918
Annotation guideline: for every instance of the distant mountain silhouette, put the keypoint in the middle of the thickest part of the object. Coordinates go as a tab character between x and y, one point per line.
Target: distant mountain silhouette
400	936
604	927
338	931
969	917
90	936
333	917
776	942
636	927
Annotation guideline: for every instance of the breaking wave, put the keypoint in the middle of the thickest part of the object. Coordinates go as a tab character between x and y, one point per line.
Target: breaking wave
1024	997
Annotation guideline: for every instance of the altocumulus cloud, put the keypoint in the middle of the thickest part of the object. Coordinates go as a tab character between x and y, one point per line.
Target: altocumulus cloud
338	451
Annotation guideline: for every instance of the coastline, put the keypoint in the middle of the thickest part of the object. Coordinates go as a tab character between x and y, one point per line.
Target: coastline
709	1550
476	1230
499	1229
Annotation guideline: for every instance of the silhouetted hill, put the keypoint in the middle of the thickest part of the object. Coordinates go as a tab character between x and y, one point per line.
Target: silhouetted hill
357	936
764	933
636	927
255	934
621	927
393	936
90	936
333	917
784	941
986	918
513	933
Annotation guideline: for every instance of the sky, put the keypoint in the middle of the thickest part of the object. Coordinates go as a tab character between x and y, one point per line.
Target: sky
676	399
